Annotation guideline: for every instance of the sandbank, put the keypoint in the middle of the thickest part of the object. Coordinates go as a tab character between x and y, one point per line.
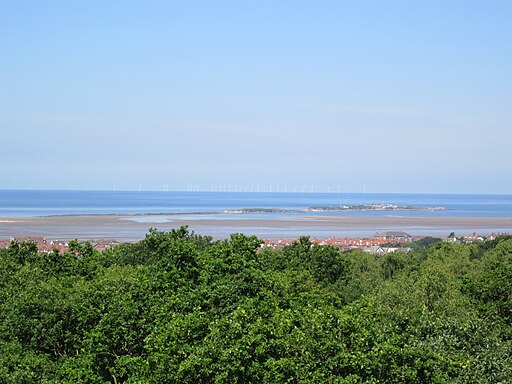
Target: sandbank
134	227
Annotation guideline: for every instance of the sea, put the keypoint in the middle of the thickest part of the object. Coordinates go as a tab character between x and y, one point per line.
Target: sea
72	202
152	206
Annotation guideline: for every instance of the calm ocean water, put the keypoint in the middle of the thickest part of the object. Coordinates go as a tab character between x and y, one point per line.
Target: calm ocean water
52	202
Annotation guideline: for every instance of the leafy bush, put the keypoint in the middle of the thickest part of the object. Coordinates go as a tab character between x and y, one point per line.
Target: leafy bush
178	307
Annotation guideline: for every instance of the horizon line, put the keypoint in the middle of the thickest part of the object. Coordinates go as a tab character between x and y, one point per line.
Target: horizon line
305	192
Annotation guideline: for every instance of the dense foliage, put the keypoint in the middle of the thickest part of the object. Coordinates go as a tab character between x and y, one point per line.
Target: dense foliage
177	307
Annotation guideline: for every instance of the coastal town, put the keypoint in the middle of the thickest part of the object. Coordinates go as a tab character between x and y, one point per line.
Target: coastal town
380	244
45	245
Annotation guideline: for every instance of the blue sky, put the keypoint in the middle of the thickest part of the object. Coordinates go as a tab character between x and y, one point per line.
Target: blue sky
399	96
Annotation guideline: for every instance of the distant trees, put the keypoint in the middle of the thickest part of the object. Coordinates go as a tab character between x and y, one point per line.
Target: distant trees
177	307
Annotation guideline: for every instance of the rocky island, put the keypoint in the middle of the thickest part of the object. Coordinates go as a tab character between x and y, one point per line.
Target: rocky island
335	208
371	207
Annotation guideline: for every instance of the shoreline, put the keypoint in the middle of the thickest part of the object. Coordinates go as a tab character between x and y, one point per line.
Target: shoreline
135	227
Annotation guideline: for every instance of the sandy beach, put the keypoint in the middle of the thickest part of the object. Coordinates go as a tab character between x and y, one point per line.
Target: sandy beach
131	228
